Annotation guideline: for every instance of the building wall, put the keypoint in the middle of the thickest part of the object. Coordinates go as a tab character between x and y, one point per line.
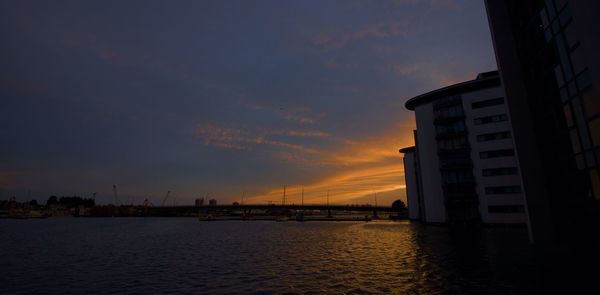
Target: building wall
431	182
410	176
466	172
510	201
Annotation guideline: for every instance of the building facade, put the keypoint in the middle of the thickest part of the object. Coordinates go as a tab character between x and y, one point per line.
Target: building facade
548	57
463	168
411	177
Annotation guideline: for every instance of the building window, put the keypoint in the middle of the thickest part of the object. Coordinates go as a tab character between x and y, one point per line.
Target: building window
559	76
497	153
453	143
575	141
493	136
491	119
584	80
455	127
564	94
579	161
487	103
565	16
499	171
457	176
506	209
560	3
568	115
500	190
448	112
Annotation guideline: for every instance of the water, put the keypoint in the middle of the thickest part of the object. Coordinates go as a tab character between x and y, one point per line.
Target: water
182	255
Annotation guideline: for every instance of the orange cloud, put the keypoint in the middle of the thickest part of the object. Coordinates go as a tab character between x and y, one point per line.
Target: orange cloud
343	188
361	168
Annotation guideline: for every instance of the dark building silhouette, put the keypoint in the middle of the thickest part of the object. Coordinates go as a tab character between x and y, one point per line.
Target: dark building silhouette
548	58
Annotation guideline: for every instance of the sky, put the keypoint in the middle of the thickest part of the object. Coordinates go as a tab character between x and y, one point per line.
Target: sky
223	98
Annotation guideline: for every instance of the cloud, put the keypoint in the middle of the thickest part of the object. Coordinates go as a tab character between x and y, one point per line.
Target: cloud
299	133
242	139
343	187
358	168
327	41
406	69
301	115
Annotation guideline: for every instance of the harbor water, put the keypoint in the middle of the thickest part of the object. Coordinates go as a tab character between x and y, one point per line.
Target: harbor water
184	256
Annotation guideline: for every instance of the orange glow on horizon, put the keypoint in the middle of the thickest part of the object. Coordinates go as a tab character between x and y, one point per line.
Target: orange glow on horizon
364	168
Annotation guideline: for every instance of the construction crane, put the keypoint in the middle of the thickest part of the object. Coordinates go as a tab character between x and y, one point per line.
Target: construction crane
165	199
115	195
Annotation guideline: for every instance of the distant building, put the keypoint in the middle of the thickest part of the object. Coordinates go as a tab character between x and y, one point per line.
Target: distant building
412	175
463	168
212	202
236	203
199	202
548	55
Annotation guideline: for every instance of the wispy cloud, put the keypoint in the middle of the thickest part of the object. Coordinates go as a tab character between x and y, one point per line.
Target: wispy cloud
358	169
301	115
244	139
299	133
343	187
334	39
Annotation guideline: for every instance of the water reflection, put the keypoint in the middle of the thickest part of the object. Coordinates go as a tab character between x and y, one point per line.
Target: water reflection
115	255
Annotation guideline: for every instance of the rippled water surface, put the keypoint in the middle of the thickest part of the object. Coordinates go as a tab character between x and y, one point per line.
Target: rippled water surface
182	255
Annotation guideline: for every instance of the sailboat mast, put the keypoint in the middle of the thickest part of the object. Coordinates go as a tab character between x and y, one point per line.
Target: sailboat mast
283	198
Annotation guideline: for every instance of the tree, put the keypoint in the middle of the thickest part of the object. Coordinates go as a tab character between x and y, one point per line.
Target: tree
53	200
398	206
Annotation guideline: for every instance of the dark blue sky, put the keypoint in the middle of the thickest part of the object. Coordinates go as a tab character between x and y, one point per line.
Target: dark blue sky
223	96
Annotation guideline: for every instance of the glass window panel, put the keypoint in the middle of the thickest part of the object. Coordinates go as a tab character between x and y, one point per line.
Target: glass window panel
568	115
579	161
548	34
575	141
584	80
559	76
550	9
563	55
572	89
564	94
559	4
595	131
556	27
565	16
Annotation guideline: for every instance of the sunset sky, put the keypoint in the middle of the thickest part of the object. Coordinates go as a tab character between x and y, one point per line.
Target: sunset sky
223	96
